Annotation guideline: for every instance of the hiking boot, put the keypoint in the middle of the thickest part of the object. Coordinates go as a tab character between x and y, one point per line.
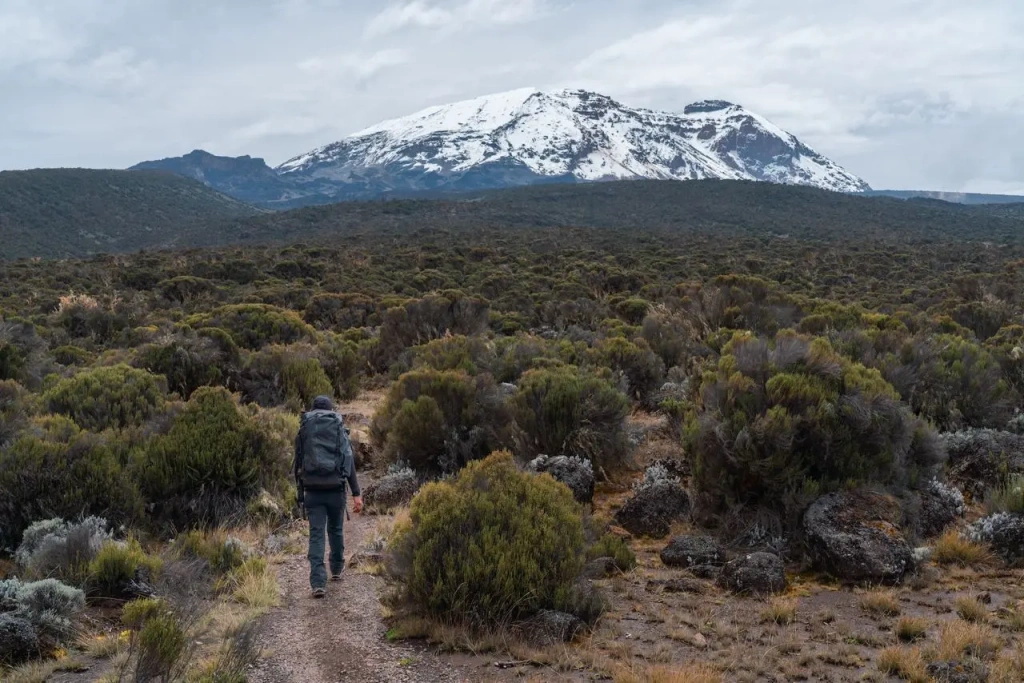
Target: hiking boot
319	592
336	577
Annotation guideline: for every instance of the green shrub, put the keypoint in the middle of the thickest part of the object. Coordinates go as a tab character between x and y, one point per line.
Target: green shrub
212	460
116	565
615	547
779	422
469	354
36	618
64	473
189	360
223	553
14	410
438	421
71	355
642	369
564	411
105	397
253	326
289	375
1007	498
343	365
339	311
162	645
492	545
184	288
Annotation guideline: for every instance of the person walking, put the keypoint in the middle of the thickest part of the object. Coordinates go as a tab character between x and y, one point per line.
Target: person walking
323	465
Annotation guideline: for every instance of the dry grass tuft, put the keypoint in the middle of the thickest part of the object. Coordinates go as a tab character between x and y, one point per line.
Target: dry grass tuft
254	584
882	602
781	611
1015	618
953	549
911	629
970	609
691	673
1008	668
905	663
959	638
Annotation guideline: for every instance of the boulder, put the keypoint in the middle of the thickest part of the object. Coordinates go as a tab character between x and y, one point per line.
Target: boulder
549	627
854	536
1004	533
362	451
706	571
940	506
980	458
576	473
653	507
757	574
680	585
391	491
687	551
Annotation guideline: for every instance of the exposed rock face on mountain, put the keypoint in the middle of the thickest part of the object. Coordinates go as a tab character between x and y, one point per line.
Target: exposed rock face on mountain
526	137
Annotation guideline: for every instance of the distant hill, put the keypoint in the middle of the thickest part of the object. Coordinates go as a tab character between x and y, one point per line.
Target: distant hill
75	212
953	197
642	208
129	216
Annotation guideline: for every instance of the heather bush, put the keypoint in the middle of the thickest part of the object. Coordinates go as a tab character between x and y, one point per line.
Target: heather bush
289	375
212	460
439	421
565	411
253	326
981	460
339	311
14	410
64	472
107	397
642	369
779	422
471	355
418	321
492	545
343	365
120	568
189	360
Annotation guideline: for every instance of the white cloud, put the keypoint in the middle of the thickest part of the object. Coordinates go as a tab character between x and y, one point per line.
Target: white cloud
452	15
357	65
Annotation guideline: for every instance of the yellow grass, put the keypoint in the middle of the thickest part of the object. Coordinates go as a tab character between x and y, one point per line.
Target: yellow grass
882	602
959	638
903	662
953	549
254	584
970	609
910	629
781	611
1008	668
690	673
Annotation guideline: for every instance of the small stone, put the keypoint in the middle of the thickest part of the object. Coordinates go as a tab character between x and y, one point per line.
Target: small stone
549	627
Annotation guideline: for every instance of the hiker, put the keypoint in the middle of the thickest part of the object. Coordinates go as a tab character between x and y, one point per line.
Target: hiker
323	463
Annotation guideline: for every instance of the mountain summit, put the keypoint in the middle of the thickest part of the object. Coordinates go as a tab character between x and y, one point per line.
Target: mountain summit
527	136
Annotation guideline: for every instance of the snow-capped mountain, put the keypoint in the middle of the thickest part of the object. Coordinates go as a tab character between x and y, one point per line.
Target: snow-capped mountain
583	135
528	136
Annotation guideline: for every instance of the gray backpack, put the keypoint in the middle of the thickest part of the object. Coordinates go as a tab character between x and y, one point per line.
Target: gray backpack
323	449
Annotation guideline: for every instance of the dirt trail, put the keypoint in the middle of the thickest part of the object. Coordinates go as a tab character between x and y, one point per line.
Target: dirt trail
343	636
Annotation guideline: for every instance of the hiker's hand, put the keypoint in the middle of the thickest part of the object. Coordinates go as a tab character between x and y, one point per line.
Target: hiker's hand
357	504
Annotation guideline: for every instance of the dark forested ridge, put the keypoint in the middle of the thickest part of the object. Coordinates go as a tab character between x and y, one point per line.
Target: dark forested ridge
57	214
76	212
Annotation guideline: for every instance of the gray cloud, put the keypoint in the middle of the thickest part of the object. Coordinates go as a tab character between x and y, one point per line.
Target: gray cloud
906	93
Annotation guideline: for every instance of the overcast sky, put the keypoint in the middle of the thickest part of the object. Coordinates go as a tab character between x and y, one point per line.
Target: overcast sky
922	94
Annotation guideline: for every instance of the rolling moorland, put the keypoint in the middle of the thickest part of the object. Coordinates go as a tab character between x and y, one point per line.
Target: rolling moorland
790	421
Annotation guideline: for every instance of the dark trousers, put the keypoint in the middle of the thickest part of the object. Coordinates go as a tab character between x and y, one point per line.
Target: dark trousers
326	510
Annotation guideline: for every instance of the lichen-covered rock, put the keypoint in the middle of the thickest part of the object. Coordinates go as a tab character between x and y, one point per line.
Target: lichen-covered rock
658	500
854	535
1004	533
391	491
688	550
362	451
576	473
757	574
652	509
940	506
549	627
979	459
